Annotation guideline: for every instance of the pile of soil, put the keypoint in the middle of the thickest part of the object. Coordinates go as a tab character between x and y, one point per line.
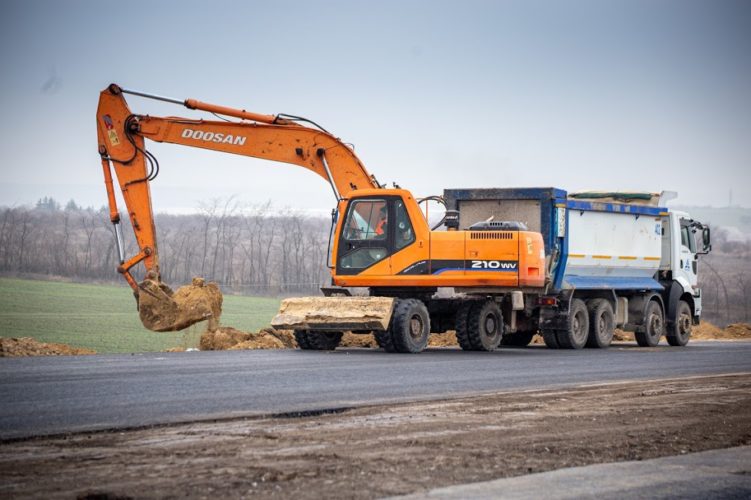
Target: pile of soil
703	331
226	337
26	346
162	310
733	331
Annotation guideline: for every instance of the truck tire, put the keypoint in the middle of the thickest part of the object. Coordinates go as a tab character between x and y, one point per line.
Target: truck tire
410	326
462	326
317	341
518	339
551	339
654	324
485	326
384	340
601	324
680	332
575	335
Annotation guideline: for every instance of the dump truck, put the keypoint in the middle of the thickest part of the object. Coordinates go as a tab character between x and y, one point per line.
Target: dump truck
612	260
508	277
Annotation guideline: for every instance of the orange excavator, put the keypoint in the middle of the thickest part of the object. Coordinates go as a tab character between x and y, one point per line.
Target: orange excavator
381	238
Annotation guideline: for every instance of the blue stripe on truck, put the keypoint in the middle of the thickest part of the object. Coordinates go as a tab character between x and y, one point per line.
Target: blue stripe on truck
595	206
611	283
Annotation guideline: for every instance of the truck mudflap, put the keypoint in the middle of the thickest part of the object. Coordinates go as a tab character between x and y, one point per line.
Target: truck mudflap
334	313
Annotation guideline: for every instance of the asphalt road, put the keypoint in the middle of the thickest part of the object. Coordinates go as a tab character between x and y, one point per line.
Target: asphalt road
67	394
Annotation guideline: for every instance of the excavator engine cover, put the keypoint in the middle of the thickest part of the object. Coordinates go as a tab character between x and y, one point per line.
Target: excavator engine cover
162	310
334	313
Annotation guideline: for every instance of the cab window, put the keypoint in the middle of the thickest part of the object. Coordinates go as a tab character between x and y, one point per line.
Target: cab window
687	238
368	220
404	233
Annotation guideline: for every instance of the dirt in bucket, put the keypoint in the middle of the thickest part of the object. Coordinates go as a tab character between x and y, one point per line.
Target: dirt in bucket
162	310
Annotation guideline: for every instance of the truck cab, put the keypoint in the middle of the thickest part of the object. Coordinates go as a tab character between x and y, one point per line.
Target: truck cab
679	264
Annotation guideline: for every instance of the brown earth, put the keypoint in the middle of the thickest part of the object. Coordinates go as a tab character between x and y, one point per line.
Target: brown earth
388	450
26	346
230	338
163	310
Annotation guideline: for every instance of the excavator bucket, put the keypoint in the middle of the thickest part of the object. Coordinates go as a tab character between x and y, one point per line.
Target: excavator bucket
162	310
334	313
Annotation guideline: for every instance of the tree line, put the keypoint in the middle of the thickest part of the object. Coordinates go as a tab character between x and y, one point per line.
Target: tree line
257	250
246	249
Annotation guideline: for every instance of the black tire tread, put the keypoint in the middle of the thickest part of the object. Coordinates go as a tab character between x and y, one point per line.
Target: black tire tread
316	341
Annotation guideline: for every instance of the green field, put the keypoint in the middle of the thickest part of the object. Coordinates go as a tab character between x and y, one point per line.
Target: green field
104	317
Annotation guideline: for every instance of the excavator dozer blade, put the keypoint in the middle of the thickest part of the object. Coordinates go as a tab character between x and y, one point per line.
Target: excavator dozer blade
162	310
334	313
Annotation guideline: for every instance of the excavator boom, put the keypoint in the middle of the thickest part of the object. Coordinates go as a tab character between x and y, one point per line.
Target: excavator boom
121	137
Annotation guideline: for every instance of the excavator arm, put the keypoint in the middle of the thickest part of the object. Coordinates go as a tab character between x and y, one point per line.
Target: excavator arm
121	137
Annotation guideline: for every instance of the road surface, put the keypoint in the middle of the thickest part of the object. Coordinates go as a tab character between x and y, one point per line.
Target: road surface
43	396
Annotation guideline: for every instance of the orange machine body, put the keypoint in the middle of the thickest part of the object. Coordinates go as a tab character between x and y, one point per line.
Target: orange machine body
406	254
473	259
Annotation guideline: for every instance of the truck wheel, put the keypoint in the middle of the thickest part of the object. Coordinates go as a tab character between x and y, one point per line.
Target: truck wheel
410	326
575	336
485	326
317	341
680	332
518	339
551	339
601	323
462	326
654	324
384	340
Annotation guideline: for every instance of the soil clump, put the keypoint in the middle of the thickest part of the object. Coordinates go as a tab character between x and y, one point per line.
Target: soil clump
162	310
26	346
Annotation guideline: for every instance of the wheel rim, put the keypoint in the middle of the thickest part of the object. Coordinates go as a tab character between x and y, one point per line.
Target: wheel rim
684	325
655	326
491	325
416	326
602	325
577	327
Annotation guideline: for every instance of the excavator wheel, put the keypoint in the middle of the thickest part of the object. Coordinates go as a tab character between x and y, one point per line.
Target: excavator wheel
317	341
410	326
462	326
384	340
485	326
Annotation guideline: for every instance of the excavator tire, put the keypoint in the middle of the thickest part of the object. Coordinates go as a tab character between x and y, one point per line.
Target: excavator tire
317	341
384	340
462	326
485	326
410	326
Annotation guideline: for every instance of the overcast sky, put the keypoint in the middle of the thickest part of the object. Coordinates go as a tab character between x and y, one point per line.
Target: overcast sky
616	95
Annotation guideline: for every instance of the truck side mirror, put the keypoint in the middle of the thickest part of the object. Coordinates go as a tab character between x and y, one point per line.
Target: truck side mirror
706	239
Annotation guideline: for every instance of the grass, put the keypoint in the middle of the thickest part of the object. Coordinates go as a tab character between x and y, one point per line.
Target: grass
104	317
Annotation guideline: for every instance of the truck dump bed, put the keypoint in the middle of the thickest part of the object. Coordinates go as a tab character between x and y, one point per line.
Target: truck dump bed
591	241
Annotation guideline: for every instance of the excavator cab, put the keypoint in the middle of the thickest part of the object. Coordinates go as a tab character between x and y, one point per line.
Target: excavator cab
374	228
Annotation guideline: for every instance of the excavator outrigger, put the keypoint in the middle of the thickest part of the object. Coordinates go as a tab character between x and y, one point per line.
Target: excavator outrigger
381	241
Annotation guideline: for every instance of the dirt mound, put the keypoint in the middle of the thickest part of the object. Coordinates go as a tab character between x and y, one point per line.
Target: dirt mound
358	340
228	338
703	331
162	310
26	346
708	331
738	331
